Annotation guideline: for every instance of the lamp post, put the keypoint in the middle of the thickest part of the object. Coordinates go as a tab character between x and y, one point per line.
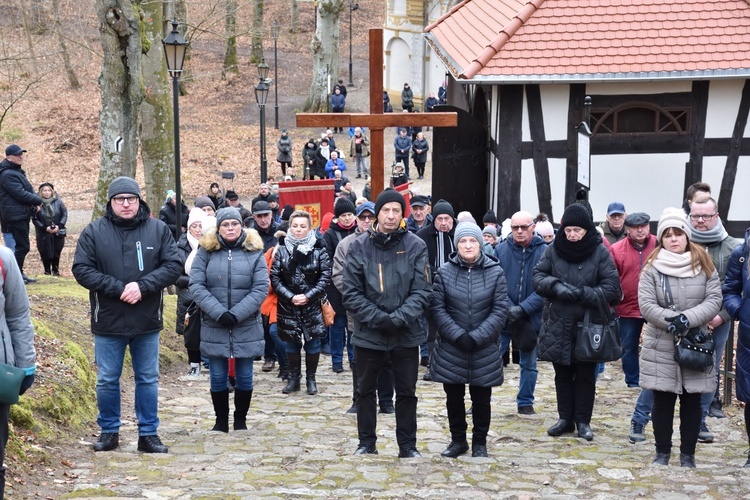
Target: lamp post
275	32
261	95
352	7
175	47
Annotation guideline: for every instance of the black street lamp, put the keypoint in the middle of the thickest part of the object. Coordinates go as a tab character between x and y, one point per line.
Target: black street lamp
175	47
261	95
352	7
275	32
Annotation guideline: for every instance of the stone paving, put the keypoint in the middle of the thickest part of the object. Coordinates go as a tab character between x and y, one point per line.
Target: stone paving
300	446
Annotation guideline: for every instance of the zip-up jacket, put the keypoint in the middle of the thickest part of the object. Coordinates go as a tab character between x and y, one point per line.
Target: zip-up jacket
400	143
518	262
386	274
719	251
17	197
113	252
736	291
469	300
629	263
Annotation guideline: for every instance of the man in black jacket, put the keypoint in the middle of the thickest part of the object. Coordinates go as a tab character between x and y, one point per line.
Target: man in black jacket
125	259
18	203
386	289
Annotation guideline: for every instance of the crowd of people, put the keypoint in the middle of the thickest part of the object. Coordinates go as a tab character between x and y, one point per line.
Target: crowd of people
387	293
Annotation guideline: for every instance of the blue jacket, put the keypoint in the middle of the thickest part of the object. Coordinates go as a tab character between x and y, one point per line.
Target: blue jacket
518	263
337	102
339	163
736	287
402	143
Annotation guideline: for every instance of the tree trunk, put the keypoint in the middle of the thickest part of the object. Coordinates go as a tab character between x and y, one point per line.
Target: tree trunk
230	31
256	50
27	28
157	125
69	71
121	91
325	53
295	16
179	11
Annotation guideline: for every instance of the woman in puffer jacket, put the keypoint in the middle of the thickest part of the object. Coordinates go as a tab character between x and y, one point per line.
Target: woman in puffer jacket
575	273
679	289
229	281
468	306
300	273
736	291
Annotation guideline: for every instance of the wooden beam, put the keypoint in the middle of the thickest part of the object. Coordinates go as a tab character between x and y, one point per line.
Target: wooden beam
380	121
539	138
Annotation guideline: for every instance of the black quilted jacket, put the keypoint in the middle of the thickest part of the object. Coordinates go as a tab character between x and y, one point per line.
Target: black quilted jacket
471	300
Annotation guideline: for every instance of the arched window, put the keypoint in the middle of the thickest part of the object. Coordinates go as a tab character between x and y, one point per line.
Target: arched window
641	118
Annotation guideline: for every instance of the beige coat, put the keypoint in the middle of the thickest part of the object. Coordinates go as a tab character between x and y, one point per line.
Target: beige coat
699	298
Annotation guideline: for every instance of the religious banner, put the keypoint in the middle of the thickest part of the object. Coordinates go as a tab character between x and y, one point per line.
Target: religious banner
404	190
314	197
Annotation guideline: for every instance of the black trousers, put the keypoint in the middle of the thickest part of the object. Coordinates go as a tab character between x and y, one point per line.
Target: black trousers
4	415
405	370
385	382
20	232
480	412
576	388
662	416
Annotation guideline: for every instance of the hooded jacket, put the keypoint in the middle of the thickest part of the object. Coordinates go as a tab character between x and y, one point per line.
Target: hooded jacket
473	300
332	237
113	252
386	274
231	280
736	291
17	197
168	215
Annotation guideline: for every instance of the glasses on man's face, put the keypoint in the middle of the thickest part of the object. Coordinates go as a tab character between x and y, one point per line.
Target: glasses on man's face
521	227
366	217
122	199
702	217
229	225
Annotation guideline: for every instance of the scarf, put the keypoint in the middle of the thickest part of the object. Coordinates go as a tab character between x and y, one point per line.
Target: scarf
443	240
676	265
577	251
47	212
231	244
303	245
718	233
192	241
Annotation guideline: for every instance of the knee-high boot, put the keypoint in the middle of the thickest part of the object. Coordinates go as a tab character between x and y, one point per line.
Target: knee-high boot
221	408
295	372
241	405
311	367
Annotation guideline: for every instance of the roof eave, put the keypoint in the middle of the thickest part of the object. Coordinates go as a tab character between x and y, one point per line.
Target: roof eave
604	77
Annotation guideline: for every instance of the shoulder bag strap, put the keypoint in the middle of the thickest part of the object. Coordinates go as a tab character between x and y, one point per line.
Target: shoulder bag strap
667	290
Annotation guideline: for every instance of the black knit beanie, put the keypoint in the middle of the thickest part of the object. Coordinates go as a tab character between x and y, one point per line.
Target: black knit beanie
577	215
287	212
387	196
343	206
489	217
442	207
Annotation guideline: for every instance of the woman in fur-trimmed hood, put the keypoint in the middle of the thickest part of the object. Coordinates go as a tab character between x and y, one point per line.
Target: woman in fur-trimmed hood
229	282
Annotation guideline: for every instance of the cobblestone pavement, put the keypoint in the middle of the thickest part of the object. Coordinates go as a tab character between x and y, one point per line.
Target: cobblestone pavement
300	446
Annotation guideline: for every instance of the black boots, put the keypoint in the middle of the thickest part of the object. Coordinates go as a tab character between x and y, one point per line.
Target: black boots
295	369
107	441
241	405
221	408
311	367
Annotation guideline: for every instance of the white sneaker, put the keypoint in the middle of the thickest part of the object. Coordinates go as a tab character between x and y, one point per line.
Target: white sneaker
195	370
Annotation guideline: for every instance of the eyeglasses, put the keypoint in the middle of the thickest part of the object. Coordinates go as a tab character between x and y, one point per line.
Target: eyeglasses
703	217
366	217
522	228
227	225
122	199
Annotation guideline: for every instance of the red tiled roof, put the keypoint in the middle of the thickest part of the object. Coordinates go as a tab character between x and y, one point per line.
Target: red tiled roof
518	40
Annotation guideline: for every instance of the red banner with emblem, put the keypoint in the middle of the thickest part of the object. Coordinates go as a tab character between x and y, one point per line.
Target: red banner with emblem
404	190
314	197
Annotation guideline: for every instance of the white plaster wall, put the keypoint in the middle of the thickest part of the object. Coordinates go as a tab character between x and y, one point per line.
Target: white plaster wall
397	68
555	104
529	198
638	88
713	172
723	100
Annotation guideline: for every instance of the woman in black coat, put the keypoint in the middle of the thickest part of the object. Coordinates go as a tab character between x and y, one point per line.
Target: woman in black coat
468	306
574	272
300	273
49	223
419	148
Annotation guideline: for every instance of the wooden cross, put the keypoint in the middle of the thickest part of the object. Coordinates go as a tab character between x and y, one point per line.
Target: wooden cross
376	120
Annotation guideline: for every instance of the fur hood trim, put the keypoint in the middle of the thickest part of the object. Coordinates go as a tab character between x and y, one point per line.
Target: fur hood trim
253	241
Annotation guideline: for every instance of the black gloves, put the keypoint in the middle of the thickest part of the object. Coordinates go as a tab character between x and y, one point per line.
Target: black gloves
677	324
566	292
515	314
466	343
27	381
389	327
228	319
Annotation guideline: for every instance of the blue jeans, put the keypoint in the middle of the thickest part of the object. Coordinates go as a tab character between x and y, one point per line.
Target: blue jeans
109	353
279	345
642	412
337	337
529	372
720	341
630	333
311	346
218	372
10	241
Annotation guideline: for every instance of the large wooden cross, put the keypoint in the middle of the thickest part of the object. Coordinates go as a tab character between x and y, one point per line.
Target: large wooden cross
376	120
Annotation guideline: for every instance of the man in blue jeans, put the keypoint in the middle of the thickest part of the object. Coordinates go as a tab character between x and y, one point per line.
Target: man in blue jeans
126	259
518	255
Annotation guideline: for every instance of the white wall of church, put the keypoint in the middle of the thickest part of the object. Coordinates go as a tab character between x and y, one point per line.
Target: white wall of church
397	68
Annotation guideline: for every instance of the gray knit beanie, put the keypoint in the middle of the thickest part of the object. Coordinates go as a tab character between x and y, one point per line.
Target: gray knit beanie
227	213
467	229
123	185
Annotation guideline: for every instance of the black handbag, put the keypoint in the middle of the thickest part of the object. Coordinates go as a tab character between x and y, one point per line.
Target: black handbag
192	333
599	342
695	349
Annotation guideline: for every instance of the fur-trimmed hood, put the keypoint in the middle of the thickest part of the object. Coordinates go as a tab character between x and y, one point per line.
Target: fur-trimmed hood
253	241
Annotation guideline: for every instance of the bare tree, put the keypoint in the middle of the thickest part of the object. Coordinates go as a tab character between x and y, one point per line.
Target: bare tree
325	52
256	50
69	71
121	83
295	16
230	32
16	81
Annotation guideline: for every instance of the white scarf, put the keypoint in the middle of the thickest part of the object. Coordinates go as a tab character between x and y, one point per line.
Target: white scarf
675	265
303	246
